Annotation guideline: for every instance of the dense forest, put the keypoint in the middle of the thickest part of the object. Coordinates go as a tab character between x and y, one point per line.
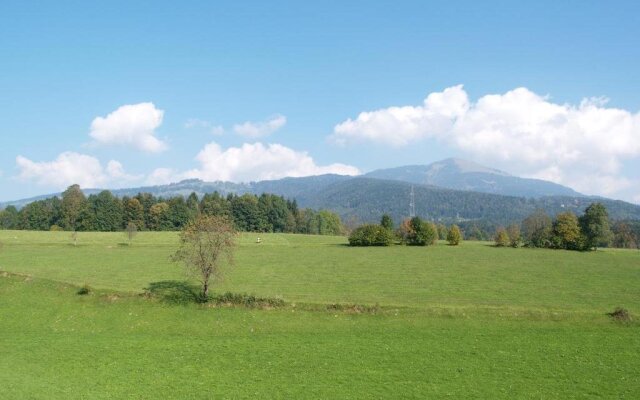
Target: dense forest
364	200
73	211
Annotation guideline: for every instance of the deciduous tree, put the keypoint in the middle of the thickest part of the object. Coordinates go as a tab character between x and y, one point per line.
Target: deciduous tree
594	225
536	229
386	222
513	231
565	232
132	231
502	237
73	204
206	248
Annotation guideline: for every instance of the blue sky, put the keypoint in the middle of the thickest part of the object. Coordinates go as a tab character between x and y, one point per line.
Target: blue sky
119	94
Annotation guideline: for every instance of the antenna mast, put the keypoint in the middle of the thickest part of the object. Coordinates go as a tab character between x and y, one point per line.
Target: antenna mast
412	203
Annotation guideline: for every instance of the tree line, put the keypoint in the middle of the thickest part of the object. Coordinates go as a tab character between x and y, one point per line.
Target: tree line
565	231
104	212
412	232
568	231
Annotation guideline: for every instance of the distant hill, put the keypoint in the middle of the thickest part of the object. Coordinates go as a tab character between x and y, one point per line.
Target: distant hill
366	198
454	173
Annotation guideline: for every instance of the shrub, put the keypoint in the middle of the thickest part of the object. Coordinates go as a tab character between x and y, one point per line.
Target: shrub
354	308
370	235
620	314
422	233
502	238
84	290
513	231
246	300
454	235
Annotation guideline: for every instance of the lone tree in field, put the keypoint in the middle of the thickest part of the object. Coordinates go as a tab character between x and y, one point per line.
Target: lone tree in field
206	247
132	231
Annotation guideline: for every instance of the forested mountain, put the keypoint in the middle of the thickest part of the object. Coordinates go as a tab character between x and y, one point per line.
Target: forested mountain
454	173
365	199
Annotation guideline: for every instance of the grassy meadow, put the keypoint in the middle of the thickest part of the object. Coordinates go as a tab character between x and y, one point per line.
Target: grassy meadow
471	321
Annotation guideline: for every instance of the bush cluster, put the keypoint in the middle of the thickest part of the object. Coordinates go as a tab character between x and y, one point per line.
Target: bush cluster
371	235
568	231
245	300
421	233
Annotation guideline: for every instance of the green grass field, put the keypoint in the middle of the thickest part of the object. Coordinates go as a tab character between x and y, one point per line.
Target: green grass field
471	321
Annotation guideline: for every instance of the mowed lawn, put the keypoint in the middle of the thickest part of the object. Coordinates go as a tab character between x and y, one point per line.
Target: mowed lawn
466	322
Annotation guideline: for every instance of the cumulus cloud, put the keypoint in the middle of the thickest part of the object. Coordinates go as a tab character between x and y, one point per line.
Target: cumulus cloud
581	145
399	126
163	176
259	129
70	168
250	162
130	125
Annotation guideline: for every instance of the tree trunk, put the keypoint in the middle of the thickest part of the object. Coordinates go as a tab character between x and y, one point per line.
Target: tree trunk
205	291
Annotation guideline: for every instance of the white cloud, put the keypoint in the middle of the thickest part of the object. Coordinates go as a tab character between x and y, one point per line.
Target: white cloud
195	123
131	125
582	145
115	172
163	176
259	129
71	168
250	162
399	126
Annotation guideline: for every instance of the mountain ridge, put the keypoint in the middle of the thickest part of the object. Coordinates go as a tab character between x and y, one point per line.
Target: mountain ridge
455	173
365	198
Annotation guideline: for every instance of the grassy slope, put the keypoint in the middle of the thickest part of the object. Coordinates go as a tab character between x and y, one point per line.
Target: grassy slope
60	345
323	270
475	322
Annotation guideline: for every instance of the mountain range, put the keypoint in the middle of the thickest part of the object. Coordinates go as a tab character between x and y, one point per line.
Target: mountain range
450	190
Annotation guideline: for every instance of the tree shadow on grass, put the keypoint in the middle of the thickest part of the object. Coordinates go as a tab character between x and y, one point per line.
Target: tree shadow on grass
174	292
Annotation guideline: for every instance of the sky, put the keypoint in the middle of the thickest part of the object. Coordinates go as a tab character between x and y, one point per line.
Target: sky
114	94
